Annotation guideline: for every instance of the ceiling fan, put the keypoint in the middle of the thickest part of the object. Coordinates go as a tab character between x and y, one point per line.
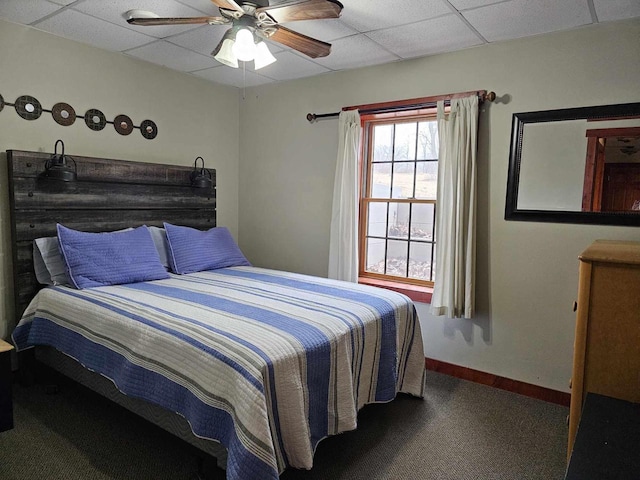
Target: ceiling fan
251	22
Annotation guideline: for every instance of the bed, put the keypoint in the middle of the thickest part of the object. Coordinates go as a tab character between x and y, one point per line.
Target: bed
267	363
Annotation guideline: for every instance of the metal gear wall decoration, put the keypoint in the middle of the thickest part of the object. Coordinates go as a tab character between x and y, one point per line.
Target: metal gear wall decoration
29	108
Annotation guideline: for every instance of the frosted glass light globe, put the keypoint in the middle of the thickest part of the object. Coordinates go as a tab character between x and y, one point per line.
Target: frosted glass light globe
245	47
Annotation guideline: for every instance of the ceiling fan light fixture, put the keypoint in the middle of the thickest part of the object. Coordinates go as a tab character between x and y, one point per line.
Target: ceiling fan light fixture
263	56
245	46
224	51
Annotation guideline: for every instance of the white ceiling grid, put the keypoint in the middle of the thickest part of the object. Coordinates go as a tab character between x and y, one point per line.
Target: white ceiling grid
369	32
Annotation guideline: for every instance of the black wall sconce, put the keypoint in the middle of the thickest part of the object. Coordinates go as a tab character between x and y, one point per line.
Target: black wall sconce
200	178
57	168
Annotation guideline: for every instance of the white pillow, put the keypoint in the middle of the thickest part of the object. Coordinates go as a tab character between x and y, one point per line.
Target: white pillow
48	262
159	236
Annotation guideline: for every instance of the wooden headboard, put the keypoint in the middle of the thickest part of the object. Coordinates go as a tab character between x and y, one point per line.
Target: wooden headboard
108	195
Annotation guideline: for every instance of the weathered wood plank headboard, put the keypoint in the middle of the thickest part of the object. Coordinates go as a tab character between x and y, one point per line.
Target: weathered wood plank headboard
108	195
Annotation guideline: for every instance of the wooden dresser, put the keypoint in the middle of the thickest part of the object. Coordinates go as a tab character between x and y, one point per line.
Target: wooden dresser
606	357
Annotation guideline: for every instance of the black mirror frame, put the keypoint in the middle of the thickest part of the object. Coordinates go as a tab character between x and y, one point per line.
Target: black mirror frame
517	132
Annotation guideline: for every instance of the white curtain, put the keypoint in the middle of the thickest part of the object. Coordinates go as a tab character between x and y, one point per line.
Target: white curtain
453	293
343	245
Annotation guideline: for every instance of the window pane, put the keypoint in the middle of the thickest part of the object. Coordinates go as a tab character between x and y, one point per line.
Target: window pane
427	140
405	142
403	173
420	261
381	180
426	180
397	258
377	219
375	255
399	220
383	143
422	218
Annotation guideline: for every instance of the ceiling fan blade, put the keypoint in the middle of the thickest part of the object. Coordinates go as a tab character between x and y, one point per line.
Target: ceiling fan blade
303	10
307	45
229	5
178	21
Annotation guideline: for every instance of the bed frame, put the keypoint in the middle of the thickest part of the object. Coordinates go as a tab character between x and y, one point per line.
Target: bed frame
108	195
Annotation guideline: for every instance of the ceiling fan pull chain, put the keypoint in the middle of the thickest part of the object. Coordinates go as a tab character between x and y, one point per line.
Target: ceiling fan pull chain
244	79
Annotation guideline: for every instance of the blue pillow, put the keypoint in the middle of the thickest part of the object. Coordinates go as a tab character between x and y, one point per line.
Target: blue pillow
192	250
99	259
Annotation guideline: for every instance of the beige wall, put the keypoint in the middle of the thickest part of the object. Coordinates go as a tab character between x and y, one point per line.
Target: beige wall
527	272
194	118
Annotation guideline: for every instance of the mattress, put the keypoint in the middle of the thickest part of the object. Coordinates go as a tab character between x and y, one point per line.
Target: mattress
268	363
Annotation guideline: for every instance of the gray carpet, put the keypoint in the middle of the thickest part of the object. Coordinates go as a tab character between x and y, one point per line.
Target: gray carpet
460	431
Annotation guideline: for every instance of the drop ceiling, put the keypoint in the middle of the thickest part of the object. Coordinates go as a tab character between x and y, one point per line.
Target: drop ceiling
369	32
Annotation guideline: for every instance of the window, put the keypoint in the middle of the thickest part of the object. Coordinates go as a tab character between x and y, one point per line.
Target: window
398	201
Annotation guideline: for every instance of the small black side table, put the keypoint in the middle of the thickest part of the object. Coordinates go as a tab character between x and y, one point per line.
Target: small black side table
607	444
6	399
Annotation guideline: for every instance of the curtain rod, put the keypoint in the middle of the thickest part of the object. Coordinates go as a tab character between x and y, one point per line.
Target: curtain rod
413	104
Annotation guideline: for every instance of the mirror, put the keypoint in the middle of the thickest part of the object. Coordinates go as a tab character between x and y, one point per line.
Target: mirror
576	165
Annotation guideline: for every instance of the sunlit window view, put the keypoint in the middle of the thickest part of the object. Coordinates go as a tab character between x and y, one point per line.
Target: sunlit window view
400	199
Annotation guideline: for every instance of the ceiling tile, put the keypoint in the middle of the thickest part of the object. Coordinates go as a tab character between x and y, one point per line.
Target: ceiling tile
83	28
289	66
325	30
355	51
205	6
443	34
608	10
114	11
275	47
202	40
367	15
521	18
172	56
19	11
235	77
468	4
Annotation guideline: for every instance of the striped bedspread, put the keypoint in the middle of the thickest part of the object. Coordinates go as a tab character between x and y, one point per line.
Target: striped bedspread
266	362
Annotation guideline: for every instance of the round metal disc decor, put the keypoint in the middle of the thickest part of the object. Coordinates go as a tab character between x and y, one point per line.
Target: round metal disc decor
64	114
148	129
95	119
28	107
1	103
123	125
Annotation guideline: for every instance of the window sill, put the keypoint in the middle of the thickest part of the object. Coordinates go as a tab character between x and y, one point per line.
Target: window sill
417	293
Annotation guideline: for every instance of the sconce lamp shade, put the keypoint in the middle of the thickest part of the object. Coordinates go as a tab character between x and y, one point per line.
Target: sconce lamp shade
200	178
57	168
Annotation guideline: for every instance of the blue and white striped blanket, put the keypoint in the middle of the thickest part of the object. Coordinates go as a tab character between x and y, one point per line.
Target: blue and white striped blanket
266	362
